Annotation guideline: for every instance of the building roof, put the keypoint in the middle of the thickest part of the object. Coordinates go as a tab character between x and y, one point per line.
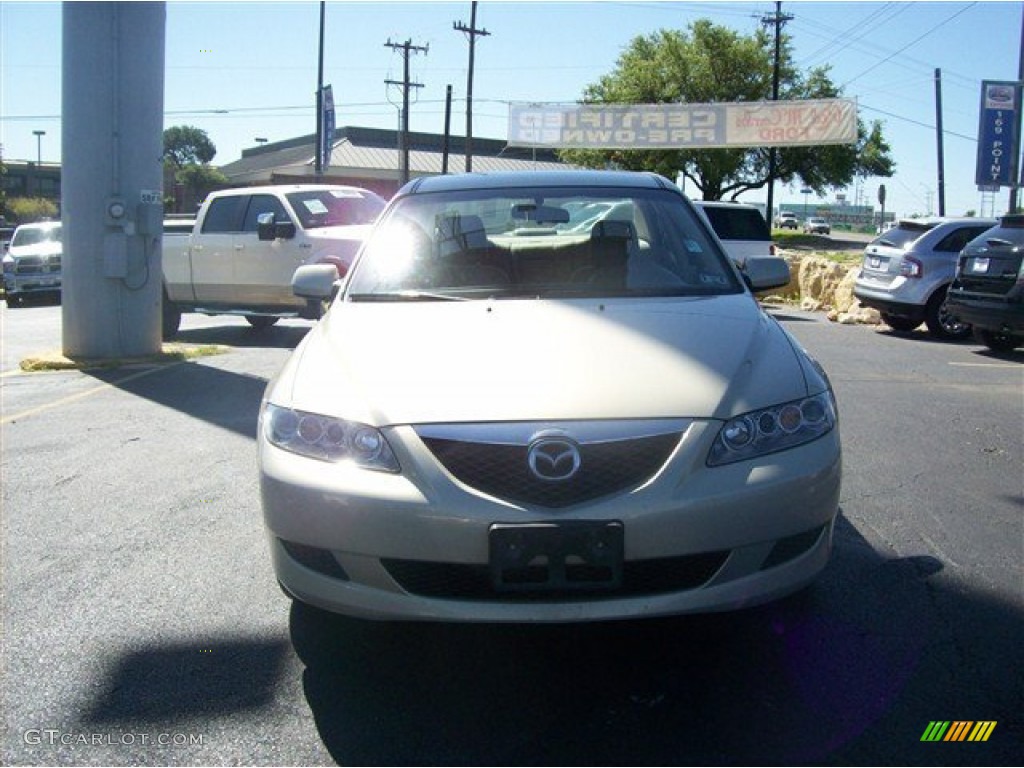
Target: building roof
374	153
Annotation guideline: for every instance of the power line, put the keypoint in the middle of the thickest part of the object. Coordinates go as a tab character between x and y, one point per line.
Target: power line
908	45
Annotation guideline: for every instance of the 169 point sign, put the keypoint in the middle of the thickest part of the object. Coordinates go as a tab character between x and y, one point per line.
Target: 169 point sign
997	166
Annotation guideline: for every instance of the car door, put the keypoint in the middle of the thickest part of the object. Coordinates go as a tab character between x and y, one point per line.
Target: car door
212	251
264	268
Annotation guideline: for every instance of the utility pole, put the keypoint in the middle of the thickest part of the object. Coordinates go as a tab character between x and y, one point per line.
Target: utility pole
472	32
778	19
407	48
938	141
447	129
318	168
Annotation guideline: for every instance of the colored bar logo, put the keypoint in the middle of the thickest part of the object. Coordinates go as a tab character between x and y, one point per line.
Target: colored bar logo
958	730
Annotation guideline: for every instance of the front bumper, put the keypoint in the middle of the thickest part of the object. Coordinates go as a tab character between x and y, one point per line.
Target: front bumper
416	546
20	284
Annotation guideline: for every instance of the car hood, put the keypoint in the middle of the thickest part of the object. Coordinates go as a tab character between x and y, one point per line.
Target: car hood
48	248
527	360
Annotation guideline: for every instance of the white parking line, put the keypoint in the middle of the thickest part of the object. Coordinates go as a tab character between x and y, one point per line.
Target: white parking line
988	365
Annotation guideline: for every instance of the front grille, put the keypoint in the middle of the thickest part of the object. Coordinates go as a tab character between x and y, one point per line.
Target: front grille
503	471
473	582
37	265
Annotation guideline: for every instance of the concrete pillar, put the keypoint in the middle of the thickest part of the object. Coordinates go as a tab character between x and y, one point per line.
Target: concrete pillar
112	198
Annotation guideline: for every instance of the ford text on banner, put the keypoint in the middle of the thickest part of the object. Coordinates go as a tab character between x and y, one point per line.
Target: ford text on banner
683	126
998	122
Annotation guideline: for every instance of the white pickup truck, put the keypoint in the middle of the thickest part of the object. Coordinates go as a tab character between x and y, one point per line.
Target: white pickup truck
247	243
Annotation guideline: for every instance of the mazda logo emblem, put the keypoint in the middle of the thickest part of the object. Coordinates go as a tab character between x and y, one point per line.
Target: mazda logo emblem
554	458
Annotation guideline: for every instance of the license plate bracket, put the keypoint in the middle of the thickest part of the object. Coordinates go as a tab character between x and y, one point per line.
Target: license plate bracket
565	556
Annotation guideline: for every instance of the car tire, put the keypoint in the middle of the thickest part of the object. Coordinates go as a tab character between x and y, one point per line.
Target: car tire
13	302
999	342
170	319
941	323
901	324
261	322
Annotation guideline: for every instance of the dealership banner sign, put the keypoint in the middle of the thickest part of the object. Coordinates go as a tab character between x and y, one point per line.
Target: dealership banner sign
996	166
683	126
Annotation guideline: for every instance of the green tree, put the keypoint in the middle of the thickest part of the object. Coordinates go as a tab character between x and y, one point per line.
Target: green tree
708	63
200	180
187	145
187	154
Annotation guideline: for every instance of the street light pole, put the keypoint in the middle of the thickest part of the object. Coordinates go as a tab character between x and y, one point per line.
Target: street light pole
39	146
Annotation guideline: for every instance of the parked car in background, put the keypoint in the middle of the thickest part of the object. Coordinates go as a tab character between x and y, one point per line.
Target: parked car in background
32	262
741	228
246	243
787	220
907	271
816	225
498	421
988	291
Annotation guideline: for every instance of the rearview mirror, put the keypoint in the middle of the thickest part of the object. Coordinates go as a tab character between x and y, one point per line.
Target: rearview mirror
541	214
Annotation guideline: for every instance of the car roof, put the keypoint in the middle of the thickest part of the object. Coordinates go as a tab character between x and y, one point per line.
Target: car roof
514	179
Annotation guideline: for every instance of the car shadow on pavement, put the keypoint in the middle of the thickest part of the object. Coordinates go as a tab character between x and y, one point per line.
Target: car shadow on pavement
185	682
223	398
836	674
275	337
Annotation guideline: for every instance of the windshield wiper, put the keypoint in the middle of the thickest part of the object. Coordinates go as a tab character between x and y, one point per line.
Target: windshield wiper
407	295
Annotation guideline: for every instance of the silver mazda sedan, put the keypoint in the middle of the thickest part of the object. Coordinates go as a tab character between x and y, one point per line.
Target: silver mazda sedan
503	416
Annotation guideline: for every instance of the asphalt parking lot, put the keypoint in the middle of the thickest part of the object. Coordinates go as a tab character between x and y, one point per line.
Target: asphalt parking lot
142	624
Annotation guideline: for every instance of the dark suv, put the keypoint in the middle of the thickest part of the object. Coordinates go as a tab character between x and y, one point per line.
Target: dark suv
988	291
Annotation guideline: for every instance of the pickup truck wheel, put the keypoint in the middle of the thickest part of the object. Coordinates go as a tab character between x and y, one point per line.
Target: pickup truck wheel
13	301
261	322
170	318
940	322
897	323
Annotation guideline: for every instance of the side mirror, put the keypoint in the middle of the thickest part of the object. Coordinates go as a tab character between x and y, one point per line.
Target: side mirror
269	229
319	282
765	272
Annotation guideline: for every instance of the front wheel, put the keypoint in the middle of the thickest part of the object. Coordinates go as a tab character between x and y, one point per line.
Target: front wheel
941	323
999	342
13	301
261	322
897	323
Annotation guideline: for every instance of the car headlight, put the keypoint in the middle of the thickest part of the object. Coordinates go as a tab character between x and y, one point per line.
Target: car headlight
327	438
773	429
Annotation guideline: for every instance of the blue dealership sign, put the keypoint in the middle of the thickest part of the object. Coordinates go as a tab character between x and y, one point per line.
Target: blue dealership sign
997	164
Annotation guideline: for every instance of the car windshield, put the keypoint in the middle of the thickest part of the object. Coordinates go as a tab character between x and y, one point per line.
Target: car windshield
506	243
336	207
35	235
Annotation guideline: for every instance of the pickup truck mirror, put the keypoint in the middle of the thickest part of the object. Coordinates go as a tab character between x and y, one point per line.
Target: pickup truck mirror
764	272
315	281
269	229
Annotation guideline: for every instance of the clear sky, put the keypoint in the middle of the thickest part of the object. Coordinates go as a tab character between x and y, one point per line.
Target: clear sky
241	70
